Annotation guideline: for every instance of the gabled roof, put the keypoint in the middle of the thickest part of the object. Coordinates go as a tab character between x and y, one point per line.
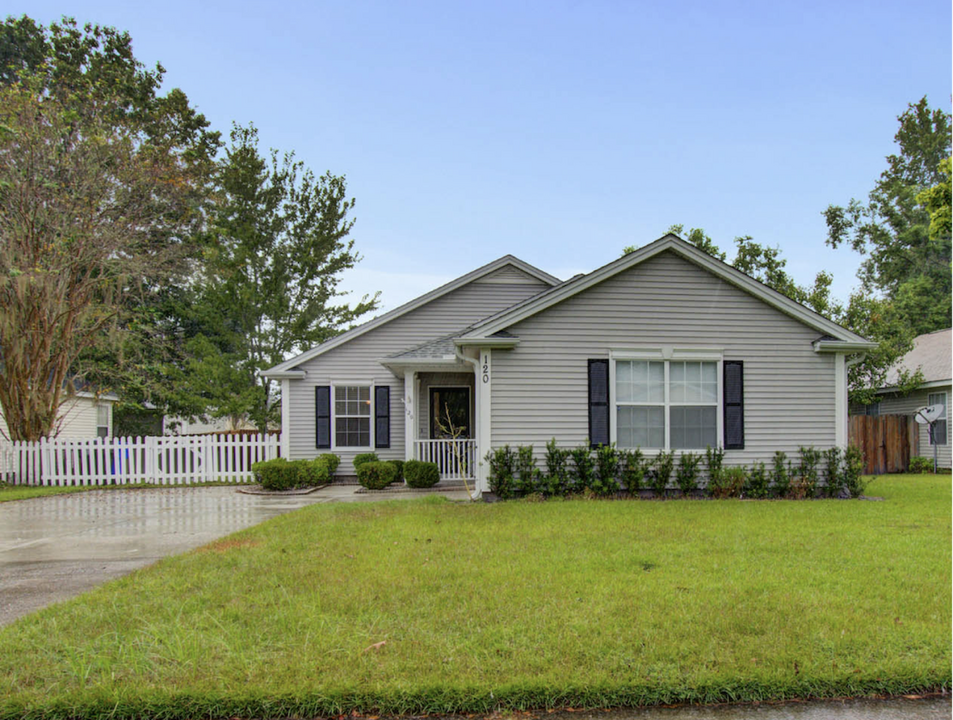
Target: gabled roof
287	367
932	354
846	340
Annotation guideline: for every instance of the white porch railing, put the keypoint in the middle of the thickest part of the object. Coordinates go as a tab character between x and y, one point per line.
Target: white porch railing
455	458
119	461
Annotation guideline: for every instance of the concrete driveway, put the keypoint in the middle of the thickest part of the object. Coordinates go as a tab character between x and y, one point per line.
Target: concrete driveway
53	548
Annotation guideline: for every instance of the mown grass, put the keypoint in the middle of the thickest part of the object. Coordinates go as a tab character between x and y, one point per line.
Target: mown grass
511	605
25	492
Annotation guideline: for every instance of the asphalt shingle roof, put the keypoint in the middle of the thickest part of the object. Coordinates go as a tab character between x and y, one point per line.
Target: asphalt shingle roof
931	353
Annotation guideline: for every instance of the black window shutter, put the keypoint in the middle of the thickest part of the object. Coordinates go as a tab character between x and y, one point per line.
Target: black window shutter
322	417
382	416
598	403
734	396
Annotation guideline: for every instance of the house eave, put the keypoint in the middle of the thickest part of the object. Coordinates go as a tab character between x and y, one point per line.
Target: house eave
487	342
274	374
844	346
922	386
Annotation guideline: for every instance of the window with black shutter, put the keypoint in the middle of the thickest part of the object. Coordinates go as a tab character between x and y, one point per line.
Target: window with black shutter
382	416
598	402
734	398
322	417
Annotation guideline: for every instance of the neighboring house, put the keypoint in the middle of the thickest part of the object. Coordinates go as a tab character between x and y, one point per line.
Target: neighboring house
82	416
931	354
203	425
663	348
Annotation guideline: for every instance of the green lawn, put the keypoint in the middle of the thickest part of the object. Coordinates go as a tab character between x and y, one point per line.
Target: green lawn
25	492
515	605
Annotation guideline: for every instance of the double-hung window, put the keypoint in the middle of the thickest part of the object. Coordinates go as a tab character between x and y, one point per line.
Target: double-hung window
939	427
102	421
352	416
666	403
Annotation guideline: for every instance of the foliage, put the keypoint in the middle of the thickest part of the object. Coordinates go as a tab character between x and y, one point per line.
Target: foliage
854	481
662	472
730	484
808	470
634	468
376	475
420	474
362	458
278	245
937	201
714	464
832	472
605	481
330	460
557	471
780	475
398	467
583	468
281	474
758	484
920	464
526	471
502	462
686	475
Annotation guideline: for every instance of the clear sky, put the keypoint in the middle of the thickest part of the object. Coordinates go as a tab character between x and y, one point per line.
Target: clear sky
558	131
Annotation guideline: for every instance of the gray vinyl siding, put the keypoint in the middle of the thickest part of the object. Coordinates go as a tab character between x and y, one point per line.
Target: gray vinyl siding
908	405
539	389
77	418
358	361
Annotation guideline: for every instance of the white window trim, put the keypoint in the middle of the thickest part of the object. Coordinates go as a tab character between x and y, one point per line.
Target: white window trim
666	354
334	417
946	416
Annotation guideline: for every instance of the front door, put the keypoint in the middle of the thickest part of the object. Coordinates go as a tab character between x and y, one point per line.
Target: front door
450	413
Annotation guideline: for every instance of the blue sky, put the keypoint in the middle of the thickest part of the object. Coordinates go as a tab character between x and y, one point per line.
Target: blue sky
558	131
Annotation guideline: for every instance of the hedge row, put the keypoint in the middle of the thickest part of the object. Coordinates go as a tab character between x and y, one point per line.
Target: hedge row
376	475
608	471
282	474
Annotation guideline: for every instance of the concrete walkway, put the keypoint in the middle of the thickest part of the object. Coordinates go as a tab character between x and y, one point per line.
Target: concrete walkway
53	548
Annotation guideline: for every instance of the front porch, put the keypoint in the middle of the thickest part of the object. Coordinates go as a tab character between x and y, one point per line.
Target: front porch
440	429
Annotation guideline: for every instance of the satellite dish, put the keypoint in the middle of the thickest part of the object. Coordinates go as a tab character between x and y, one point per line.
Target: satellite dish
929	414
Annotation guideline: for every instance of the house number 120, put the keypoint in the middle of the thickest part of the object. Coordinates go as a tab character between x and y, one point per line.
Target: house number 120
486	369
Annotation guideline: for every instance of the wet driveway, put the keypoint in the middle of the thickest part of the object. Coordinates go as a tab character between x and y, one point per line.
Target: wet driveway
53	548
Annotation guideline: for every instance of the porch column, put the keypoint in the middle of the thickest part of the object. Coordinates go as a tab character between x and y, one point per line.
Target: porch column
410	413
484	379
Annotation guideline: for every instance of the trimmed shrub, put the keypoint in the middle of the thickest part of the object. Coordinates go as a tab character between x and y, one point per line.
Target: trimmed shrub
853	478
331	460
526	470
757	485
714	462
920	464
419	474
808	470
276	475
557	471
634	467
399	466
731	483
583	468
365	458
780	477
502	462
605	481
686	475
662	472
833	481
376	475
312	472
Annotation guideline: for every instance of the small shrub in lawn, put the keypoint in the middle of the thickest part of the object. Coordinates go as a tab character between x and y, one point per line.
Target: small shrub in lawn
583	468
731	483
808	470
502	462
331	460
832	472
662	472
276	475
634	467
853	479
686	474
311	473
757	485
399	466
557	471
714	462
526	471
376	475
419	474
780	478
920	464
365	458
605	482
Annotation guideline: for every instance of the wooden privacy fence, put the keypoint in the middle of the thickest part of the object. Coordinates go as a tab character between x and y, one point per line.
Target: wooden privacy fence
119	461
888	441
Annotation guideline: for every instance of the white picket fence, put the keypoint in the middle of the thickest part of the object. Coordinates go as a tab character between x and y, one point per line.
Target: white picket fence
120	461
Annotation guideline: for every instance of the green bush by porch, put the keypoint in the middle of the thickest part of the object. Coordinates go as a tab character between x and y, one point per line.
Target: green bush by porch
510	605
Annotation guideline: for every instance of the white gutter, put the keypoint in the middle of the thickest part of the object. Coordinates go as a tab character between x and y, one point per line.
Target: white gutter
284	374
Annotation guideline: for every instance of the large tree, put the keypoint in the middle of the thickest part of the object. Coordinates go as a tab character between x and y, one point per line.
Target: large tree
279	243
104	181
